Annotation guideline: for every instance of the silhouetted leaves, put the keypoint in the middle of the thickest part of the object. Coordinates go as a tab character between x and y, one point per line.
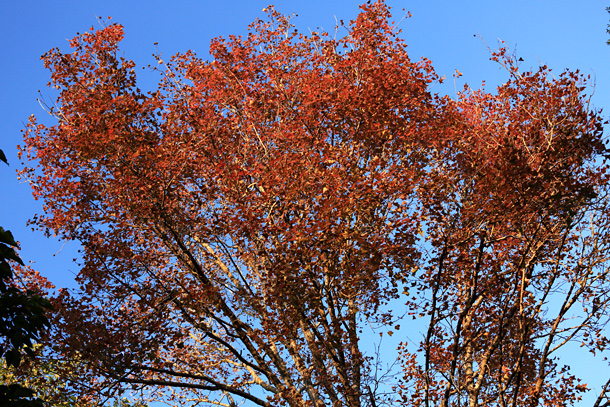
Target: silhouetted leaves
22	319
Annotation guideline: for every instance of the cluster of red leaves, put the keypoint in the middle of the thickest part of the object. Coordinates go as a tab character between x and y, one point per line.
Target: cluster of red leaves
515	210
243	222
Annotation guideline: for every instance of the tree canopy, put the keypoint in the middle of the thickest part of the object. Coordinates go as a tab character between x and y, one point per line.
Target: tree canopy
245	223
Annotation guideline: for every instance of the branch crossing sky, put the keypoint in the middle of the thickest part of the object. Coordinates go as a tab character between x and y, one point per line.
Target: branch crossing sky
454	35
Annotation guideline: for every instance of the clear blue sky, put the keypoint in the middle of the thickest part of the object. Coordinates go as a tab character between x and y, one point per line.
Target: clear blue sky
560	33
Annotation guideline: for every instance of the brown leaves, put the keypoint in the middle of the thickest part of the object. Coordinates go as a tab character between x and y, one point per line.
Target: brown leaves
243	223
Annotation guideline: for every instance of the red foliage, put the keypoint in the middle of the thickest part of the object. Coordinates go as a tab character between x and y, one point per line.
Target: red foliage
243	223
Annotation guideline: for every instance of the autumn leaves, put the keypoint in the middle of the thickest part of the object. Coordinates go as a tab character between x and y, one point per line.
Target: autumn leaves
258	209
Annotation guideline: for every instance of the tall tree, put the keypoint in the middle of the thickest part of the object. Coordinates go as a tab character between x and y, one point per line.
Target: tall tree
245	222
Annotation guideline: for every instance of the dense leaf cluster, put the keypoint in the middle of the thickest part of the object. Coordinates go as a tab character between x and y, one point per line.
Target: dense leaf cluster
245	225
22	320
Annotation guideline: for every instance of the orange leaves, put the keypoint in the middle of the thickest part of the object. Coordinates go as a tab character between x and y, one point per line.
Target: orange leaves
261	208
500	205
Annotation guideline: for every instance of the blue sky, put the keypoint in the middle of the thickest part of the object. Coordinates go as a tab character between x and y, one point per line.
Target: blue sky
562	34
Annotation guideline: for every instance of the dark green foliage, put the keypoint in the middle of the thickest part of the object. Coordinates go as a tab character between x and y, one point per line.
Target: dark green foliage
22	320
14	395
